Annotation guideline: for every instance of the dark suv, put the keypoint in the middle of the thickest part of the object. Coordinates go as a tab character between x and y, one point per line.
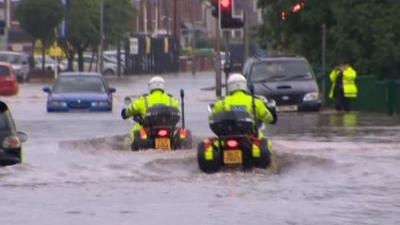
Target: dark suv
290	81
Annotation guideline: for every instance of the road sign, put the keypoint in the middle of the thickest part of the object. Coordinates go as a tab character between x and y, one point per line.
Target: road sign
134	46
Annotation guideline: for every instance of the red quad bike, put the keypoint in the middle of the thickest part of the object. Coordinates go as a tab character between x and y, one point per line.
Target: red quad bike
160	129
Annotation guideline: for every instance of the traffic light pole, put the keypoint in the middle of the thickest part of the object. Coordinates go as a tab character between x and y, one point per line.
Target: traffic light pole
246	31
218	53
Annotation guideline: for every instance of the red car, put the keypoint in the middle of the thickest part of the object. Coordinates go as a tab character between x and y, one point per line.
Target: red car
8	80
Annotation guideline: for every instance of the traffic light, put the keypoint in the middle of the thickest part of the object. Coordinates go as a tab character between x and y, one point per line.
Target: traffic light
228	21
292	10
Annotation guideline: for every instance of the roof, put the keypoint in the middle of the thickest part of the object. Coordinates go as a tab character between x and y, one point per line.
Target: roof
278	58
5	64
79	74
13	53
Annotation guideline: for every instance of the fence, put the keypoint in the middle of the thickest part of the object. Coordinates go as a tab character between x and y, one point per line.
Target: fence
147	54
373	95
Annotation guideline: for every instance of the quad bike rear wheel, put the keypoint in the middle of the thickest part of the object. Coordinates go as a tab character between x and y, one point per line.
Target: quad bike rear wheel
209	160
139	143
183	143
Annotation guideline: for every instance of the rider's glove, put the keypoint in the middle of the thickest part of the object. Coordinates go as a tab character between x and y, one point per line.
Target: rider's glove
123	114
139	119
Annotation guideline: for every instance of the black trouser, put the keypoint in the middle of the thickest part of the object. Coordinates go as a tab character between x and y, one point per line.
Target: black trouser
341	102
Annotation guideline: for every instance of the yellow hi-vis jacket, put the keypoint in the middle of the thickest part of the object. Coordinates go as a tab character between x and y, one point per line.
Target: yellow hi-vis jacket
141	105
241	99
349	86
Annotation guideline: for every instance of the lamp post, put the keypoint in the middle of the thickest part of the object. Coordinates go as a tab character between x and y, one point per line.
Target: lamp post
101	48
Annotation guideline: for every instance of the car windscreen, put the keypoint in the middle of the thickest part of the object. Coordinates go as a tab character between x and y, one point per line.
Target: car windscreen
73	84
13	59
280	70
4	71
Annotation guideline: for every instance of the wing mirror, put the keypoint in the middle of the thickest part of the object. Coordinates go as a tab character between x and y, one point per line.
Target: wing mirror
22	136
47	89
112	90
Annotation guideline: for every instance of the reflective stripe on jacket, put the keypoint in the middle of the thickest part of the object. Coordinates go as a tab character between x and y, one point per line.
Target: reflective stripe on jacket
349	86
241	99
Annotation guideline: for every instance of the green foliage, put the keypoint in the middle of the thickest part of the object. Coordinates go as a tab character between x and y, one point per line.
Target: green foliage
363	33
118	19
83	25
40	17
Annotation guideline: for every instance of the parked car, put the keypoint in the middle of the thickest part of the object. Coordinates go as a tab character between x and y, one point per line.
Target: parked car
8	80
19	62
290	81
79	91
50	64
10	148
90	65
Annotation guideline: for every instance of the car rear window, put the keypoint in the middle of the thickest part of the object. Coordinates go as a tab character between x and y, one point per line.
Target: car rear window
6	124
4	71
280	69
72	84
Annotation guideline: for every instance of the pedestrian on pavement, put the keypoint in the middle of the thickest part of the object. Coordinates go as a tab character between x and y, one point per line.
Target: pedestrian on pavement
343	86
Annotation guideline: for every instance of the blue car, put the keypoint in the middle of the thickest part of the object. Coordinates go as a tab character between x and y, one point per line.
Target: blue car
79	91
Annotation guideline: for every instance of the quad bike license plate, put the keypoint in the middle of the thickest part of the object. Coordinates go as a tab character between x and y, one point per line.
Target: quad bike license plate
233	157
163	143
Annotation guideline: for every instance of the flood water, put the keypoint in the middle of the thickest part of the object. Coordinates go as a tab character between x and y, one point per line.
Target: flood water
331	168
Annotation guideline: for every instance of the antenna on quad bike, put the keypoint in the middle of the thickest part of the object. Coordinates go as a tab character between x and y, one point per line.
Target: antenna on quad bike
253	105
183	108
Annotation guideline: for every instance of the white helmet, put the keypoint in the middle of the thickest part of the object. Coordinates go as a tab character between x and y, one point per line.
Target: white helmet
236	82
155	83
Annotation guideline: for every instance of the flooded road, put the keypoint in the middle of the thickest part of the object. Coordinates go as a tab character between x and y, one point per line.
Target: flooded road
332	169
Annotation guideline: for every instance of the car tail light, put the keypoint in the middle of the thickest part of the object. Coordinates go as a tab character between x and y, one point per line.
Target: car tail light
162	132
232	143
11	142
9	79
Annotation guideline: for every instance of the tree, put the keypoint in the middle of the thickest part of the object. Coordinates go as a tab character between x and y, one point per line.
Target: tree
39	18
83	26
118	19
363	33
82	29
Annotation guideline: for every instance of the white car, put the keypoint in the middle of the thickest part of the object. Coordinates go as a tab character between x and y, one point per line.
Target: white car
90	65
50	64
19	62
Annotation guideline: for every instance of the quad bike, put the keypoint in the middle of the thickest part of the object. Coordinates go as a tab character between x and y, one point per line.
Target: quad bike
160	129
237	143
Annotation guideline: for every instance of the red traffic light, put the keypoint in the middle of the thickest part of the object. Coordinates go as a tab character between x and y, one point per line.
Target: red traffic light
225	4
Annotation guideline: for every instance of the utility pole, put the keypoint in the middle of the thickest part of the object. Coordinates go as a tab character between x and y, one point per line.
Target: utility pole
101	52
218	52
193	41
6	23
175	21
323	61
246	30
145	16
